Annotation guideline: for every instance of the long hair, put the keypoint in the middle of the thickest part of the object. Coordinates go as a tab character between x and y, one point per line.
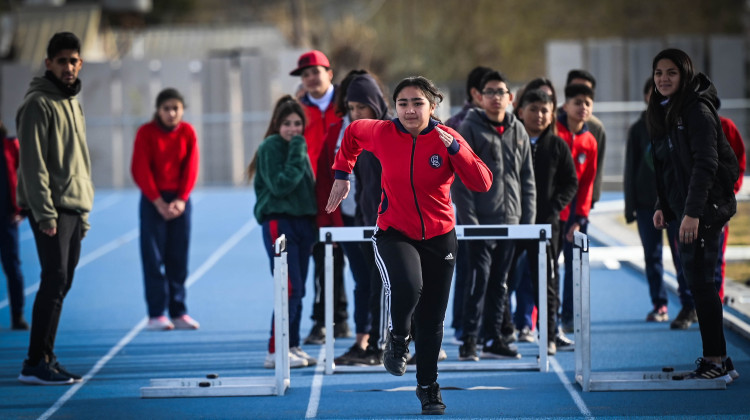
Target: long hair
660	117
285	106
430	91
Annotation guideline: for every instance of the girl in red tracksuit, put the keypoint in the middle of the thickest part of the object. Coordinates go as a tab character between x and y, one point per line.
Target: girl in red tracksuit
415	241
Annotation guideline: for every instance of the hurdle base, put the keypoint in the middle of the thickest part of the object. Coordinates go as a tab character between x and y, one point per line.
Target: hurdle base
646	381
222	387
446	366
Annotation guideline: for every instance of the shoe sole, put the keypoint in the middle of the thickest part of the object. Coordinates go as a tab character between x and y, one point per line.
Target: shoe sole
468	359
433	412
393	371
33	380
492	356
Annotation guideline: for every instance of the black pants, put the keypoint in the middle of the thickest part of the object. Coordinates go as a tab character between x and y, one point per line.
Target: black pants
10	260
58	257
486	292
417	280
698	263
377	302
339	292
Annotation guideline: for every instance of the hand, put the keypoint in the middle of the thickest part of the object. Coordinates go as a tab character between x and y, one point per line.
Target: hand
659	222
163	208
445	137
50	232
339	191
689	230
575	227
176	208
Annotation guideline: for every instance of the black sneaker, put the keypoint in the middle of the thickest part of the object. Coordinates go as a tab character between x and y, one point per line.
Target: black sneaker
317	335
60	368
563	343
43	374
499	350
19	323
684	319
431	399
396	354
373	356
355	356
709	370
341	330
729	366
468	350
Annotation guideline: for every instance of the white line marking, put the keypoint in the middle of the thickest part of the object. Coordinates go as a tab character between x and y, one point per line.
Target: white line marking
207	265
86	259
317	384
569	387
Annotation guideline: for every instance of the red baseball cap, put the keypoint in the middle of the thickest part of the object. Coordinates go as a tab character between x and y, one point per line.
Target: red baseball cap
309	59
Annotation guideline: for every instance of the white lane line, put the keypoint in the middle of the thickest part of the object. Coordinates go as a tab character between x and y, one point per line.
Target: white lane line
207	265
569	387
87	259
317	384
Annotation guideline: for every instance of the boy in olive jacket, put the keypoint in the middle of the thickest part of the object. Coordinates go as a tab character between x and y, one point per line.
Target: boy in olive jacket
56	192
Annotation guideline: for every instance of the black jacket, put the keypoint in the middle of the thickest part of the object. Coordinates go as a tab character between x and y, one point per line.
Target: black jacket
638	179
555	175
701	160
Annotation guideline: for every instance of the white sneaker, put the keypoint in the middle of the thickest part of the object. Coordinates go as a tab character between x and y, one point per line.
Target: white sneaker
294	361
159	323
297	351
185	322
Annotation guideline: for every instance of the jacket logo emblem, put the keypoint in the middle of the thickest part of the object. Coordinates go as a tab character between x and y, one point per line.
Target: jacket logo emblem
449	256
581	158
436	161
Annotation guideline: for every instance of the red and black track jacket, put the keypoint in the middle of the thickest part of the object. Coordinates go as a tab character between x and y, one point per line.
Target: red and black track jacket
417	173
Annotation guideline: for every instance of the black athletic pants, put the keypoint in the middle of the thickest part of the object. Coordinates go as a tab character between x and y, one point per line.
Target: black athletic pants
417	278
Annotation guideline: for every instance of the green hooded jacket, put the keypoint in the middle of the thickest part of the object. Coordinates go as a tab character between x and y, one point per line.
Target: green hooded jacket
54	166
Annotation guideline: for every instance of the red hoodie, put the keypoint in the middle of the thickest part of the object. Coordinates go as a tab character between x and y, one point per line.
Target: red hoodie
584	151
10	151
417	174
735	140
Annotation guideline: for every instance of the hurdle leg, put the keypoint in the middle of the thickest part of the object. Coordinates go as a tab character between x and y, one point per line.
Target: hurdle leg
328	290
543	306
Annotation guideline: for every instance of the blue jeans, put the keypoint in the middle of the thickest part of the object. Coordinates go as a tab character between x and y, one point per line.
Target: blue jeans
164	244
301	234
651	240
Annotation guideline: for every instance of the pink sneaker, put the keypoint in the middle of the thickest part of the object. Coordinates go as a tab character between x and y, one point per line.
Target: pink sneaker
160	323
185	322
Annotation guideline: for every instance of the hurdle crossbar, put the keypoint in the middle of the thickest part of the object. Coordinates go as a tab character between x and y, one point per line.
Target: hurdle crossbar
541	233
214	386
613	381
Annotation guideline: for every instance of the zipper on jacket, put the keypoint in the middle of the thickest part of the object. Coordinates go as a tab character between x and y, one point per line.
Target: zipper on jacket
411	178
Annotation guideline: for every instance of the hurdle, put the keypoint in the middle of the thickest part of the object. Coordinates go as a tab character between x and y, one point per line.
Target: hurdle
666	380
214	386
541	233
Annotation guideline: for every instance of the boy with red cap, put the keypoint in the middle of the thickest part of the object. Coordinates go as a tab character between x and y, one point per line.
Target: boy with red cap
319	104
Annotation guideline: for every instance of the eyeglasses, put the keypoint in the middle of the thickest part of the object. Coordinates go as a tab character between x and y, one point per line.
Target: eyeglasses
491	92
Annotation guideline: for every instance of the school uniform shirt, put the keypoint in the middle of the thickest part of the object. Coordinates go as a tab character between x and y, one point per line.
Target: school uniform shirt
10	155
738	146
316	128
583	149
417	173
165	160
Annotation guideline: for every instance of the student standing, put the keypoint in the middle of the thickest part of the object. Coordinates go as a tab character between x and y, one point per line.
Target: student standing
500	140
319	103
285	204
56	192
165	168
415	240
10	217
556	184
572	127
695	174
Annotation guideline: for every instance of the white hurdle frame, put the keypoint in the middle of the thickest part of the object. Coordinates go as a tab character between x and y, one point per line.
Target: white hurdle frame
243	386
541	233
613	381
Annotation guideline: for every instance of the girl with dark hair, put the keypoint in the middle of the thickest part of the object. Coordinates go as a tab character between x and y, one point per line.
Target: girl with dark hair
695	173
415	239
285	204
165	168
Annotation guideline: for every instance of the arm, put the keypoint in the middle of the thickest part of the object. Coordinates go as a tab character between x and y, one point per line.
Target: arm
629	187
140	166
189	173
702	137
357	136
528	184
33	126
566	180
597	129
586	184
282	173
738	146
472	171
